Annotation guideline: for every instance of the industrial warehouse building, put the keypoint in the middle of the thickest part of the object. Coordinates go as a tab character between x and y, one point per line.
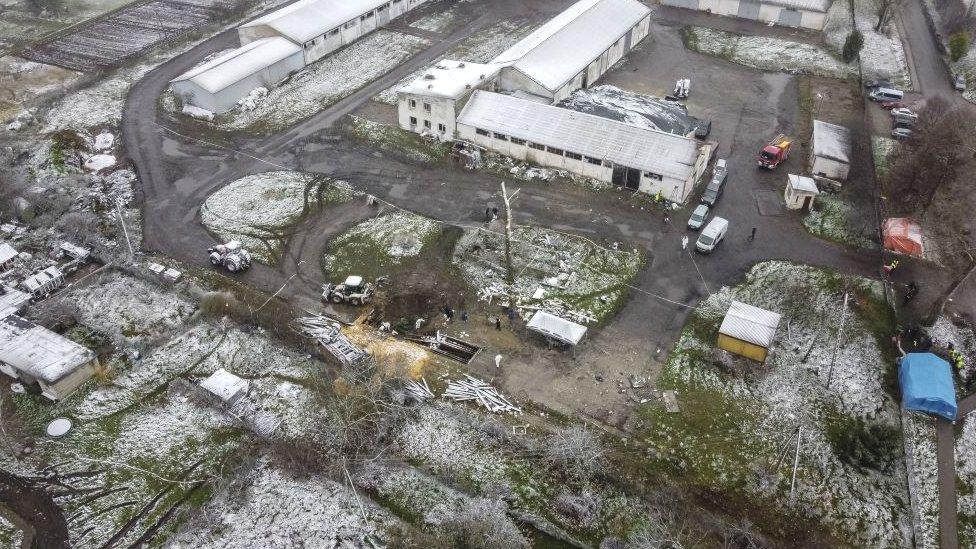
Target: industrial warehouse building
809	14
571	51
33	354
219	84
280	43
831	155
641	159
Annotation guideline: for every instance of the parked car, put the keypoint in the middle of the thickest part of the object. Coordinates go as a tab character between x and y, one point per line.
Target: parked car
904	117
959	83
888	105
698	217
901	133
713	233
703	128
872	84
715	187
886	94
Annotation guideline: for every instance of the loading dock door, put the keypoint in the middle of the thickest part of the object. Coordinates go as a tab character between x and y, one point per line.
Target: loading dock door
689	4
790	18
749	9
626	177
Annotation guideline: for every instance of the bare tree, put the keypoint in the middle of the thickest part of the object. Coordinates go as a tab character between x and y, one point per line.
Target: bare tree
576	451
509	267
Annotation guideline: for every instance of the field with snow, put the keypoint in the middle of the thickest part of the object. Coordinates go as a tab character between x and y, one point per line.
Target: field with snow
375	246
831	218
324	83
966	481
920	448
882	55
395	140
578	278
259	209
765	53
737	417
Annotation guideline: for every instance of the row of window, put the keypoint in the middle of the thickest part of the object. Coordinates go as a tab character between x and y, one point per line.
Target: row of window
413	105
555	151
440	127
351	23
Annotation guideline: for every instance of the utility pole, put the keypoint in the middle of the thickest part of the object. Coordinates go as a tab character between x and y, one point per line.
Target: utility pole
840	332
118	208
509	268
796	458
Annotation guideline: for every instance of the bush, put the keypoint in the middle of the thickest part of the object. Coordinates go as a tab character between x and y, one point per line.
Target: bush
852	46
576	452
875	446
958	46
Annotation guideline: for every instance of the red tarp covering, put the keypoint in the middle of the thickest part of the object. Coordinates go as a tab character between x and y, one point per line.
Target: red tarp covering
904	236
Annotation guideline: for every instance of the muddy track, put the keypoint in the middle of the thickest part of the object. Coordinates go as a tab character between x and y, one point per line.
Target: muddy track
37	508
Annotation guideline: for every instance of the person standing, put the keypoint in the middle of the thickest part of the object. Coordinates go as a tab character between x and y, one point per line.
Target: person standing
684	242
752	235
488	214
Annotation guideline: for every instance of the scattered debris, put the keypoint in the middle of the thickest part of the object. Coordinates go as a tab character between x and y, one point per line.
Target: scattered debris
472	388
448	346
326	331
198	113
671	402
419	391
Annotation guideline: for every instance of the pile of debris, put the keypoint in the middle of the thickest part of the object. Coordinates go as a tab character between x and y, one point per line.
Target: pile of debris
472	388
419	391
328	334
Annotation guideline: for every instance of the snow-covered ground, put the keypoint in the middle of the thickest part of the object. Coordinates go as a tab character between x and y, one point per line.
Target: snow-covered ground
325	82
882	55
923	470
765	53
379	243
966	482
578	278
830	219
737	417
257	209
437	22
633	108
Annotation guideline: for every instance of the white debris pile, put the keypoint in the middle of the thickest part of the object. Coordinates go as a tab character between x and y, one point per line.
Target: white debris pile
104	141
99	162
472	388
419	391
632	108
251	101
23	119
196	112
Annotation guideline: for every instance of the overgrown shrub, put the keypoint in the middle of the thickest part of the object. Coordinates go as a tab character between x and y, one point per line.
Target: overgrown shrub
576	452
852	46
958	46
865	446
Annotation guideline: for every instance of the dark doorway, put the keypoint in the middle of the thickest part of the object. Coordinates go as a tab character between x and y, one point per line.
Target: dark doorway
806	202
626	177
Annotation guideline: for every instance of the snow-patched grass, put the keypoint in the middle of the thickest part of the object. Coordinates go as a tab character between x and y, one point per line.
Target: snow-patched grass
375	246
259	209
966	482
882	148
10	535
398	141
882	55
765	53
923	477
324	83
738	416
831	218
579	278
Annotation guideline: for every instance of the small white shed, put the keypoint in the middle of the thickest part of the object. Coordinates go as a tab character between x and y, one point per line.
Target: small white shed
800	192
831	156
226	387
748	331
554	327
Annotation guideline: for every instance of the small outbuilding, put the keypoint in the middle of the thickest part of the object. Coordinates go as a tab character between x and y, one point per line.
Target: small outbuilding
226	387
800	192
430	104
831	155
33	354
7	255
43	282
554	327
926	385
903	236
809	14
748	331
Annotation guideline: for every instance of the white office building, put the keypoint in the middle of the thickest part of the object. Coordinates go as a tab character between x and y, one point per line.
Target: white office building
641	159
809	14
429	104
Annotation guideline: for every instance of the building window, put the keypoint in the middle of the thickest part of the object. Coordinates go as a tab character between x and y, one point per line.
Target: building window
536	146
480	131
595	161
309	44
413	103
574	156
518	141
501	136
554	150
350	24
441	128
333	32
654	176
427	124
413	120
427	107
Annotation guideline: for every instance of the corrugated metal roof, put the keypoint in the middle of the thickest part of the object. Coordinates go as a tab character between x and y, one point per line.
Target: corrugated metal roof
820	6
831	141
225	385
750	324
556	327
39	352
239	63
307	19
12	301
587	134
557	51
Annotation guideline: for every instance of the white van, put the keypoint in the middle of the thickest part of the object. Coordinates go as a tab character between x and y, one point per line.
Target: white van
713	234
886	94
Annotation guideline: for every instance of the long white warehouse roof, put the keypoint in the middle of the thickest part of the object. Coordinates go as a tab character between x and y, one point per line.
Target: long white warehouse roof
237	64
38	351
307	19
594	136
831	141
557	51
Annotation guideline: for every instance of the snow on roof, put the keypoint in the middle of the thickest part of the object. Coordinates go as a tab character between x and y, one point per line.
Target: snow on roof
806	5
751	324
831	141
39	279
450	79
556	328
581	133
802	184
225	385
12	301
239	63
307	19
7	252
557	51
39	352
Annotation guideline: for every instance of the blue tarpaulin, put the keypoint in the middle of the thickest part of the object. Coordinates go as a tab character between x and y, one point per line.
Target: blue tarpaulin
926	385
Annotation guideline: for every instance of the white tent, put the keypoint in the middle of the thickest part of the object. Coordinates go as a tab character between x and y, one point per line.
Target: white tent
226	386
556	328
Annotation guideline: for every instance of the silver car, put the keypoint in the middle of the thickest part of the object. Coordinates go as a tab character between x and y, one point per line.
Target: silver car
959	83
901	133
698	217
